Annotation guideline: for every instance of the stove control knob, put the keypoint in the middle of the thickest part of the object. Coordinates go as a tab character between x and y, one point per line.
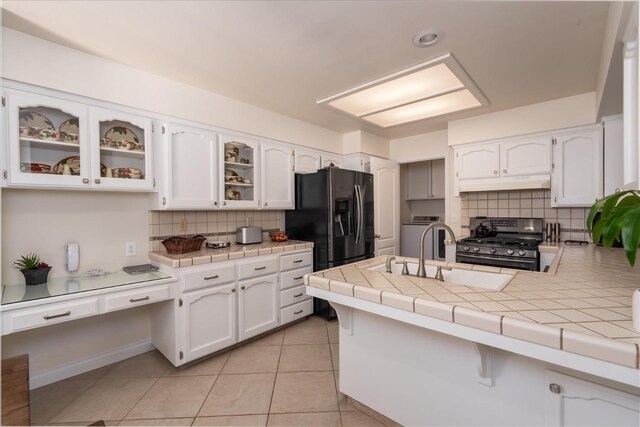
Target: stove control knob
476	249
522	253
509	251
466	248
492	250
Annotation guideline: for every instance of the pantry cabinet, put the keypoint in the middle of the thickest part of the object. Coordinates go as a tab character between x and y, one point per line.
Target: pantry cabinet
531	156
576	180
257	306
478	161
210	320
186	156
425	180
277	181
306	161
575	402
239	171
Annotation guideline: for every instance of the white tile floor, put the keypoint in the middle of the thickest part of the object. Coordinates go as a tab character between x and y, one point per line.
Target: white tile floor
287	378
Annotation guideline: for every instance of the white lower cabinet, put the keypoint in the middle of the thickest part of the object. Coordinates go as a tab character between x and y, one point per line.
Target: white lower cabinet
574	402
209	317
257	306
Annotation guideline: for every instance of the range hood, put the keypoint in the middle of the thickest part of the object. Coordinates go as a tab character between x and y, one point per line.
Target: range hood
507	183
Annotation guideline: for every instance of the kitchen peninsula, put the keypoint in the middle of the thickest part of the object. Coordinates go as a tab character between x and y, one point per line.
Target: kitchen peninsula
549	336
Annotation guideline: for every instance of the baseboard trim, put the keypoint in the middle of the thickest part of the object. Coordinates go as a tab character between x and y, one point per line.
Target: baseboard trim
80	366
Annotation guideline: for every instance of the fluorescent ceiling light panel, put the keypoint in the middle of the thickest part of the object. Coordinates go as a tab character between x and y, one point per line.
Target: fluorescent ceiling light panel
432	107
409	88
432	88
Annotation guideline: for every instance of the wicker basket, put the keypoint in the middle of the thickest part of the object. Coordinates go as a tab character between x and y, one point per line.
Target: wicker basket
183	245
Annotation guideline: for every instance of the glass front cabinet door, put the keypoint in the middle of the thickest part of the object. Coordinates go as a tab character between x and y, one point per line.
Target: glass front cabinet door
47	141
120	150
240	161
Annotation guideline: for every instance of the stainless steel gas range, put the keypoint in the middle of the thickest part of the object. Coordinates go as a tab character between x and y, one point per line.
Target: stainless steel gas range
502	242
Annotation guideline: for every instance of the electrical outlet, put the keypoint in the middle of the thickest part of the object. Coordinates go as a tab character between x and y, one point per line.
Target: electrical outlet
130	248
182	226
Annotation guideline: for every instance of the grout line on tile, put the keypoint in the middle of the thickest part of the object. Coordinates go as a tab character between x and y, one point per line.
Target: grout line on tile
138	401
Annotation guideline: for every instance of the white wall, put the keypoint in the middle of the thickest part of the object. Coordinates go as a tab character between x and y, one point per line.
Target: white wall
100	222
83	74
425	146
556	114
365	142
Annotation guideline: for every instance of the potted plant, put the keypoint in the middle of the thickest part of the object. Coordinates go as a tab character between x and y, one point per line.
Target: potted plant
34	270
619	221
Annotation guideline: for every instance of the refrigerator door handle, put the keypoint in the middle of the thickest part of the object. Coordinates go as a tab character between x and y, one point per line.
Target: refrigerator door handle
360	217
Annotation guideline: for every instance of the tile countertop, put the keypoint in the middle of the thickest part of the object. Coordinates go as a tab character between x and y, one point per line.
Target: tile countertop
583	305
235	251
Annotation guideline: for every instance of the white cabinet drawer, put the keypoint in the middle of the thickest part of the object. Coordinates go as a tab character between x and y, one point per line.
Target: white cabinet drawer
35	317
208	277
293	295
296	311
293	278
259	267
129	299
288	262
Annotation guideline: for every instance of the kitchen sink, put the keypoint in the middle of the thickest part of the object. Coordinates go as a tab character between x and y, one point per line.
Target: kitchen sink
457	276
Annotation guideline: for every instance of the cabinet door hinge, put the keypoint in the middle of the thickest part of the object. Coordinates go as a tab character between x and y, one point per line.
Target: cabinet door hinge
456	174
554	141
164	201
457	154
153	128
4	101
181	355
163	130
180	302
154	183
4	173
553	166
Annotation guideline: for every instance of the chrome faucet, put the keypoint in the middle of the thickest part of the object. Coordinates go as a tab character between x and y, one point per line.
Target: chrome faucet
439	276
388	263
421	270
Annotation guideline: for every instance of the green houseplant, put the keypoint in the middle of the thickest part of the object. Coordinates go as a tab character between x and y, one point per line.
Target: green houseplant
619	221
34	270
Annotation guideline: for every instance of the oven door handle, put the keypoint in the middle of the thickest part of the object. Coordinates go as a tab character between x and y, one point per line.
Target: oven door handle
493	258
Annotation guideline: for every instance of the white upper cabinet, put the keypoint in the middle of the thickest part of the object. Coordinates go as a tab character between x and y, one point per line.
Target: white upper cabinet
239	171
188	157
425	180
526	157
357	162
577	174
277	177
48	142
306	161
121	150
330	160
478	161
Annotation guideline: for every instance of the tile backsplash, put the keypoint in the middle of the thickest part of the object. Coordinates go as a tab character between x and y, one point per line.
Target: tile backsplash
215	225
524	204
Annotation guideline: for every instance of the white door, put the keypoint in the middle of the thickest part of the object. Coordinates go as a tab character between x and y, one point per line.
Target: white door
121	150
277	177
526	157
306	161
438	172
386	201
258	306
191	172
613	155
575	402
576	180
209	320
480	161
41	141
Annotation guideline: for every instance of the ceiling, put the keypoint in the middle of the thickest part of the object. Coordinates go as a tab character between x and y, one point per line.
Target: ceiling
283	56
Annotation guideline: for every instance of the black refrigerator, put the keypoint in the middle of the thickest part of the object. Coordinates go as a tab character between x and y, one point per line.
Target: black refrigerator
334	210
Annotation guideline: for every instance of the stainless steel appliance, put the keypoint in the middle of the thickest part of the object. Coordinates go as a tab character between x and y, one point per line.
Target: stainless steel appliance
247	235
514	244
434	247
334	210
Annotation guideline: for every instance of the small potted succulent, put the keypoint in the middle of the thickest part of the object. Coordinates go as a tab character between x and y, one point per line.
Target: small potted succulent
34	270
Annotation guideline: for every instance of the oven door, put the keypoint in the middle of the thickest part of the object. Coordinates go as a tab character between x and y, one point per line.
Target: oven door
496	261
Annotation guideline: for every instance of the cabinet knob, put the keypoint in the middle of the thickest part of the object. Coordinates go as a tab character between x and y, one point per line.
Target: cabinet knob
504	171
164	201
224	203
555	388
97	181
233	290
376	236
265	203
495	172
85	180
242	288
215	203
